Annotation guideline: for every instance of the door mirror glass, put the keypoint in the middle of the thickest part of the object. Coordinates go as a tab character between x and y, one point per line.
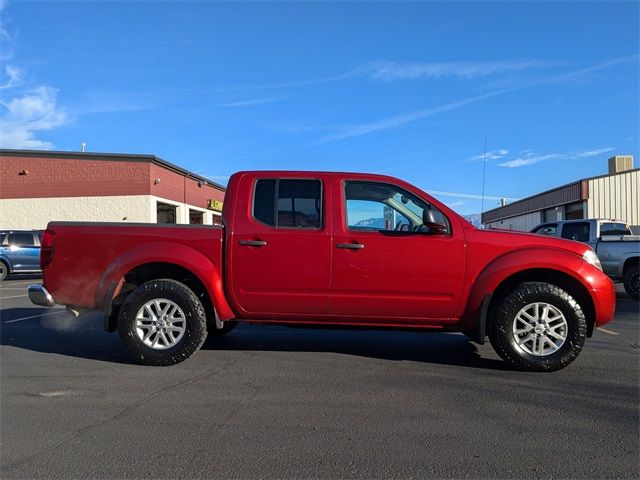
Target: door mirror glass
433	221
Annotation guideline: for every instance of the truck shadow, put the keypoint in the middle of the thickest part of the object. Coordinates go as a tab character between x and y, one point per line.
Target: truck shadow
383	344
58	332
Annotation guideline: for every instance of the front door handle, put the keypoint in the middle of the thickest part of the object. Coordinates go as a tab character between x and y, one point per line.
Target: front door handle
350	246
253	243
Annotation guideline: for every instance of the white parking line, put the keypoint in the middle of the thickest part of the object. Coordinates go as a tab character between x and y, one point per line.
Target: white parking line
610	332
34	316
14	296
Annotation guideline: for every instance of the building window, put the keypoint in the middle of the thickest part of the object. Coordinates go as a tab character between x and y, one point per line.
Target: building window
549	215
217	220
196	217
574	211
166	213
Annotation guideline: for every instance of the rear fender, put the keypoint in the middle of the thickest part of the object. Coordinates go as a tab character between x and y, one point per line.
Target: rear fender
6	260
164	252
623	259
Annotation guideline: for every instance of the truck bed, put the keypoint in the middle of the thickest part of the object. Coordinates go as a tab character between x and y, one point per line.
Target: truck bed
88	255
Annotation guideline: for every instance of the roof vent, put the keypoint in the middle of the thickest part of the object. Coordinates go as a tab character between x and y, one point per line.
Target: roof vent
620	163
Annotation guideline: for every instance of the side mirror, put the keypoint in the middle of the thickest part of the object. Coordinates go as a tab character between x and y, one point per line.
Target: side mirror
431	222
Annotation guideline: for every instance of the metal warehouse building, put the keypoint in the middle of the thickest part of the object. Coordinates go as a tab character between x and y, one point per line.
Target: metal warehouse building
615	196
40	186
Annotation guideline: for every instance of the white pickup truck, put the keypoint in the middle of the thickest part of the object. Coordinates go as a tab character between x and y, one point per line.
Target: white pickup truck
613	242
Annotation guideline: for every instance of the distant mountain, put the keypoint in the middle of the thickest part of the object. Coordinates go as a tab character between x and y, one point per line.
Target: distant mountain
371	223
474	219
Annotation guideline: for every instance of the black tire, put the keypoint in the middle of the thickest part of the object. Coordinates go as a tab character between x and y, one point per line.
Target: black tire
214	332
195	323
503	338
632	282
4	270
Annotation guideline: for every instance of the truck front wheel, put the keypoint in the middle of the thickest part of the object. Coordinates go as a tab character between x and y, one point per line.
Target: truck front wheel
538	327
162	322
632	282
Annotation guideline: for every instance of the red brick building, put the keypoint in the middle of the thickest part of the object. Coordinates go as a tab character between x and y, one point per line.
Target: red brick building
41	186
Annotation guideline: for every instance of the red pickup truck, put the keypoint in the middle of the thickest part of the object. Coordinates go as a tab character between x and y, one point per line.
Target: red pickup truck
328	249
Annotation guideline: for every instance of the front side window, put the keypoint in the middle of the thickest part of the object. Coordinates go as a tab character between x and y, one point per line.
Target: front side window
288	203
549	230
383	207
576	231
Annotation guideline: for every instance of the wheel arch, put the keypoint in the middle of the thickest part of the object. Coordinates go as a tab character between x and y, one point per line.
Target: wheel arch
629	262
566	282
7	262
153	271
556	266
162	260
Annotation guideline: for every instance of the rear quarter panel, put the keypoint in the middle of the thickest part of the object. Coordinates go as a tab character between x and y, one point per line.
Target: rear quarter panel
90	259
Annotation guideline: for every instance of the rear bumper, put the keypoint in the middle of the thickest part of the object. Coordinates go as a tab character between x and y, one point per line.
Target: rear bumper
40	296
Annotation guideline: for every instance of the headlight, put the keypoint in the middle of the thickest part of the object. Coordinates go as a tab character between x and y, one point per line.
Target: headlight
591	257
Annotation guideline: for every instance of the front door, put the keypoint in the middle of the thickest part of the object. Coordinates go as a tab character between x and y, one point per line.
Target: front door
279	253
389	267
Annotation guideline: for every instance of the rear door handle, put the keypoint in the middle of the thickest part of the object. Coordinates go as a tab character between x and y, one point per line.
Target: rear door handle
253	243
351	246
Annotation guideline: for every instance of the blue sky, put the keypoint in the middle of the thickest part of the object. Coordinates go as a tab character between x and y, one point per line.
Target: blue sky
405	89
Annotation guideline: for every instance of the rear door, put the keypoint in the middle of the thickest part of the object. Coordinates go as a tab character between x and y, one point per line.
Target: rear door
388	267
279	248
24	251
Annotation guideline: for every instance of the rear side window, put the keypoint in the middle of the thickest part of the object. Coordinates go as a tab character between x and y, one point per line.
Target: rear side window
21	239
614	229
576	231
284	203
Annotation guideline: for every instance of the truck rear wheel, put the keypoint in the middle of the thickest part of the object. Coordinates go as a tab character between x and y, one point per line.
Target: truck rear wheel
632	282
162	322
538	327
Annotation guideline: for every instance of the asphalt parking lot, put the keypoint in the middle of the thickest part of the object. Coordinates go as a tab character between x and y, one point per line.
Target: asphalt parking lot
273	402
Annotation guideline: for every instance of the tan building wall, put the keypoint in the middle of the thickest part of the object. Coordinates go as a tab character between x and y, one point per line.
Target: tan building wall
35	213
522	223
616	196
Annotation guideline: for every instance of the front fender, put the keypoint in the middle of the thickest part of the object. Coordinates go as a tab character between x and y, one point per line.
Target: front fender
517	261
165	252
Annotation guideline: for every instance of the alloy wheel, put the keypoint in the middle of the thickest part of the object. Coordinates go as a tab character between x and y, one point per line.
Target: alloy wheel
160	323
540	329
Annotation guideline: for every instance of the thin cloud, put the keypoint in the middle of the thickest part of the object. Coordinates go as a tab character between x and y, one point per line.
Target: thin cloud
532	158
28	114
11	78
472	196
404	118
252	102
492	155
26	110
275	86
388	71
